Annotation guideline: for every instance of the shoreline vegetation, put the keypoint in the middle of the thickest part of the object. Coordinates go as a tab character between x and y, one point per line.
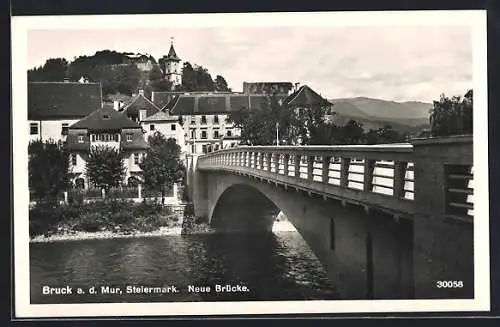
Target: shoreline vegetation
118	219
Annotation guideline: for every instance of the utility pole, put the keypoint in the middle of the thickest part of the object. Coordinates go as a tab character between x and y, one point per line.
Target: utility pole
277	133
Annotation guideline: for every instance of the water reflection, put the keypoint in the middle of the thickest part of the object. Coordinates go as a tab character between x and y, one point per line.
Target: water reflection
273	266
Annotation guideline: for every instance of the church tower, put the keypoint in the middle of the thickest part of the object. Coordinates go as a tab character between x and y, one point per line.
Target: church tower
171	66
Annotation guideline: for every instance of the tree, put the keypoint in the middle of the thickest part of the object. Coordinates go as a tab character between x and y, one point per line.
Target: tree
221	84
351	133
162	166
452	116
258	126
54	70
383	135
105	167
48	168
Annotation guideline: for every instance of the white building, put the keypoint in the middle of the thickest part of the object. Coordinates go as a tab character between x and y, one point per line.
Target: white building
165	124
54	106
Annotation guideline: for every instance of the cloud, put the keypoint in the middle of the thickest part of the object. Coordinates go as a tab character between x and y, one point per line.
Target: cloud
398	63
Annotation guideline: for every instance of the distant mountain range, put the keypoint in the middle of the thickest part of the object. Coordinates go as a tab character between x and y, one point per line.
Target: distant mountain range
374	113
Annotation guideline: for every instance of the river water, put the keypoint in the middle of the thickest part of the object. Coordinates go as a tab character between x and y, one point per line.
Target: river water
272	266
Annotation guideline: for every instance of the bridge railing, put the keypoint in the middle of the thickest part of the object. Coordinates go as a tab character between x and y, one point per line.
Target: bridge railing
378	174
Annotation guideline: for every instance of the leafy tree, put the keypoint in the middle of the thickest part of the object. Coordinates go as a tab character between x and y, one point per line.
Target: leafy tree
221	84
452	116
162	166
383	135
258	126
105	167
54	70
351	133
48	168
197	78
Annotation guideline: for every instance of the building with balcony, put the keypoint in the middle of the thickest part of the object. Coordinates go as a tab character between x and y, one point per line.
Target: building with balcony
106	127
54	106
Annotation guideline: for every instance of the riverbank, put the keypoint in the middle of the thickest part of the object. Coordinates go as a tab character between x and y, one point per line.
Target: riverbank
279	226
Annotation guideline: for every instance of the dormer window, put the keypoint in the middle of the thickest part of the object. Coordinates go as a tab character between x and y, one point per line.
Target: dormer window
105	116
129	137
80	138
64	129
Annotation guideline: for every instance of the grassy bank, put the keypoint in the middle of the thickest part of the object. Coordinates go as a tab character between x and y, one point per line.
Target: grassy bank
110	218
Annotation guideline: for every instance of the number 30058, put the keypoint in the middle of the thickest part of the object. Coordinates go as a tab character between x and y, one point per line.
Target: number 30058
449	284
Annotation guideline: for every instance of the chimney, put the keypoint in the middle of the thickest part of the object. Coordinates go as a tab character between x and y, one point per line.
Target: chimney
66	80
142	114
116	105
141	92
297	86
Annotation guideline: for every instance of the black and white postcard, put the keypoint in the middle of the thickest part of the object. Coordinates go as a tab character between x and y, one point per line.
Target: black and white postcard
251	163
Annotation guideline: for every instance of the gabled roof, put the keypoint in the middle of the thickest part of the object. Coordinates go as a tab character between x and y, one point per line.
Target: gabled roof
105	119
214	103
52	100
137	103
305	96
161	116
171	54
160	99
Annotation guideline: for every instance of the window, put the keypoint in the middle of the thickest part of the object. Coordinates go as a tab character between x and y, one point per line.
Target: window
105	116
93	137
193	120
136	158
151	127
172	127
203	134
129	137
193	133
33	129
216	134
216	119
80	138
64	129
203	119
229	133
73	159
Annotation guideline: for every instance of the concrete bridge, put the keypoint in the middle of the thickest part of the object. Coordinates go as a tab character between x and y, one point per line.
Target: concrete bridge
386	221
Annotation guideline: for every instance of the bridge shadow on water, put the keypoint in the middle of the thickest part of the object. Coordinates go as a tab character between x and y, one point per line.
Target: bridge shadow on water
273	266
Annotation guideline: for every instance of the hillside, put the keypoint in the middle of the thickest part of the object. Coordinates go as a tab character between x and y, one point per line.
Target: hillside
410	113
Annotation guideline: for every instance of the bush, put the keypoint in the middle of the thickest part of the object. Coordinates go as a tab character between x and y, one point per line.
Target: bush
90	222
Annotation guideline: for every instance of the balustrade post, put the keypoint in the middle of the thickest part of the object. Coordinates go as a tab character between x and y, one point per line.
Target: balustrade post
269	158
399	178
297	165
276	157
310	167
326	169
368	175
344	172
286	158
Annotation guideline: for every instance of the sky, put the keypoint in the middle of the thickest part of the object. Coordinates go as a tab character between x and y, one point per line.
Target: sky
400	63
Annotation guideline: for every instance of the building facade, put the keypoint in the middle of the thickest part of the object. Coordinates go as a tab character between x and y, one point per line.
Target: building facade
167	125
54	106
204	118
105	127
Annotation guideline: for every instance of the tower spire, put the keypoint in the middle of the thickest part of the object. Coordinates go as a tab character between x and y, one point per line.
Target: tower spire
172	40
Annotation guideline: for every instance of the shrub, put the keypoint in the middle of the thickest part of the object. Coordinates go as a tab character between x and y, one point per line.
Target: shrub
90	222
